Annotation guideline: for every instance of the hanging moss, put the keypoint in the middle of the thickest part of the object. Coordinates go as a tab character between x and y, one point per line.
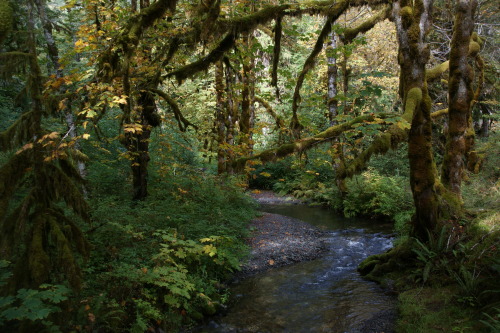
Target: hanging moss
182	122
38	259
66	260
11	175
302	145
276	51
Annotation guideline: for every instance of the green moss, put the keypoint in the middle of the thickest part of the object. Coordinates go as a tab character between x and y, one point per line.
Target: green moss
423	310
475	37
413	98
435	72
38	259
407	16
474	48
414	36
451	204
65	254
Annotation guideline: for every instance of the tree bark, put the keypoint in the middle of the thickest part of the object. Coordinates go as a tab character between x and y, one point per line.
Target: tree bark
136	141
220	118
247	95
460	97
413	20
332	73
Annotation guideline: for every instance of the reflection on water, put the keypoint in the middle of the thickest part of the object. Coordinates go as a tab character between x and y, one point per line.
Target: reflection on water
323	295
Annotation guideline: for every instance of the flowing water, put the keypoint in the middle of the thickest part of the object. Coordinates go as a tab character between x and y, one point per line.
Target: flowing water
323	295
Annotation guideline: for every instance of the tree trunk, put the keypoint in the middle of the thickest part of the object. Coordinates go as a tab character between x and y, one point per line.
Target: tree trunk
332	105
332	79
220	118
412	20
247	93
53	53
137	143
460	97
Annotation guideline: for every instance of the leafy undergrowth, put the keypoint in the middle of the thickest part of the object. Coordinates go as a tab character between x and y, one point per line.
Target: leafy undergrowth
449	284
163	262
382	191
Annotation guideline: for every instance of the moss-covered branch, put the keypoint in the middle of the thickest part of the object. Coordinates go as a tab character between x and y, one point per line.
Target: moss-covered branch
394	135
234	28
334	12
434	73
439	113
351	33
181	121
280	124
303	144
237	26
130	36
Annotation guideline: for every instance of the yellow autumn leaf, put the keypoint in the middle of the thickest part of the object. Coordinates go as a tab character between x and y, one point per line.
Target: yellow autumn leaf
210	250
25	147
204	240
86	136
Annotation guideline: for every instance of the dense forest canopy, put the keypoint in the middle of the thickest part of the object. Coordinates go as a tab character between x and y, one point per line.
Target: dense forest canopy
119	112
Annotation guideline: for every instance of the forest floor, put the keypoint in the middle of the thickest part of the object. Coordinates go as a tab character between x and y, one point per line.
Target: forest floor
277	240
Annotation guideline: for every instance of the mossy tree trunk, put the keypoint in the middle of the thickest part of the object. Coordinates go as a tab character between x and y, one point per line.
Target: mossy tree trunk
233	106
413	20
247	95
332	73
460	97
136	141
220	118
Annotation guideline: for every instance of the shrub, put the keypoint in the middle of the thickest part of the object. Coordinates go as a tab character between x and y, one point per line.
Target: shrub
386	196
171	252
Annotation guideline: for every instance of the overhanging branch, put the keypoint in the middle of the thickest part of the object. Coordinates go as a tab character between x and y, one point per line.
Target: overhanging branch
304	144
181	121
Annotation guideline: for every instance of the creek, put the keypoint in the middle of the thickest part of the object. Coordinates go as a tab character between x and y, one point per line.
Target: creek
323	295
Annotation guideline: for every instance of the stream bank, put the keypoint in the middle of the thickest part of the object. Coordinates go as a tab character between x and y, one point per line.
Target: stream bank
277	240
322	291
